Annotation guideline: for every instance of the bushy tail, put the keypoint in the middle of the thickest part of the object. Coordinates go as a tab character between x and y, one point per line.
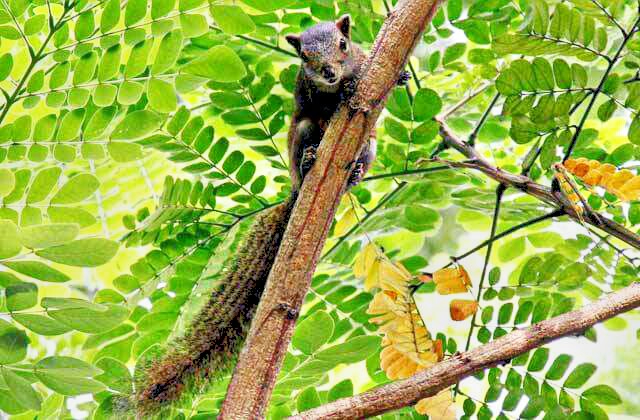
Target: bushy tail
212	341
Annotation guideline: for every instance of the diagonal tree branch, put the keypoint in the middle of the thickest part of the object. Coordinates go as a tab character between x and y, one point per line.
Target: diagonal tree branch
525	184
260	360
430	381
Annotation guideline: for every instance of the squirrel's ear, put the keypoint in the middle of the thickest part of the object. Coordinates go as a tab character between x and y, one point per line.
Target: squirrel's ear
294	40
344	25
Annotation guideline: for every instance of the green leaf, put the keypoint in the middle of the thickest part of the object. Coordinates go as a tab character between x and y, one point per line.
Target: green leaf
136	125
90	252
21	296
13	343
558	367
160	8
511	249
135	11
162	96
40	324
115	375
6	65
602	394
67	385
351	351
220	64
110	63
170	47
7	182
89	320
138	57
66	366
342	389
307	399
121	151
426	104
43	236
77	189
21	390
453	52
540	16
543	74
313	332
634	130
539	359
580	375
110	16
10	244
37	270
232	19
268	5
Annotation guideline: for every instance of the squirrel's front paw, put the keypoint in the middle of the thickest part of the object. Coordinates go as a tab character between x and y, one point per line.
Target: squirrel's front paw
348	90
308	158
404	78
356	174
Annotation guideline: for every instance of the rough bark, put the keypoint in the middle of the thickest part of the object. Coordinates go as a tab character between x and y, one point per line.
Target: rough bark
450	371
261	359
526	185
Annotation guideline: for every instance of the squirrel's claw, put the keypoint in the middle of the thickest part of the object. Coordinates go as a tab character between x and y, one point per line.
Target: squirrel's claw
404	78
356	174
308	158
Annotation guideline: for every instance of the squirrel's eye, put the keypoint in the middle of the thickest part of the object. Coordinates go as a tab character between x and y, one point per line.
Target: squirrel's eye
343	45
304	57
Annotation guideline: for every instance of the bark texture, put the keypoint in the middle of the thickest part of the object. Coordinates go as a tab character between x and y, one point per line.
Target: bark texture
450	371
261	358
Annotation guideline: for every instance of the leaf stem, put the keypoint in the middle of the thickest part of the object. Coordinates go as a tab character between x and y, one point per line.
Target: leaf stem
34	60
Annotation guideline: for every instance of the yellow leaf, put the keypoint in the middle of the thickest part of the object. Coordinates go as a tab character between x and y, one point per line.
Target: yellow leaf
461	309
365	260
452	280
349	218
386	309
393	276
438	407
379	271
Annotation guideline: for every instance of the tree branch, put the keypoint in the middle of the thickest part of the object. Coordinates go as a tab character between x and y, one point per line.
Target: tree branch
446	373
525	184
260	360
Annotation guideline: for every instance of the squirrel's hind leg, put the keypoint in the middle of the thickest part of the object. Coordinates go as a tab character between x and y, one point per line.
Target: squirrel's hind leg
310	135
364	161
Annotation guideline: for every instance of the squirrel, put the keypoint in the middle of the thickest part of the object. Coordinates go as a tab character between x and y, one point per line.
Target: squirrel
331	66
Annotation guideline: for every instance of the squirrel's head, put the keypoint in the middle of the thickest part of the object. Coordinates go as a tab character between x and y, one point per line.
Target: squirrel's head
325	50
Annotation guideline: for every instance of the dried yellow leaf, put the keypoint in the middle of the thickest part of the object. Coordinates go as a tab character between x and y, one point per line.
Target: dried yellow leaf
452	280
385	308
348	219
623	183
364	261
438	407
461	309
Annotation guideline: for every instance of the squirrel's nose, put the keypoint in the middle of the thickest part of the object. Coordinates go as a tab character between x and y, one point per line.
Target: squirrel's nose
327	72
